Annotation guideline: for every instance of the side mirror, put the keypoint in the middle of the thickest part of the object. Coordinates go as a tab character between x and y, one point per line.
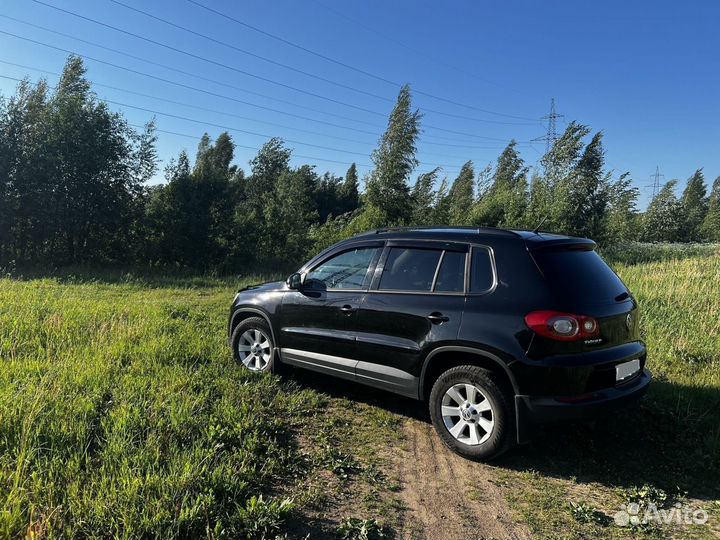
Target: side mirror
295	281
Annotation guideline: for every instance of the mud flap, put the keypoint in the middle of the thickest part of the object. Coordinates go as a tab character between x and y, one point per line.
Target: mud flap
525	428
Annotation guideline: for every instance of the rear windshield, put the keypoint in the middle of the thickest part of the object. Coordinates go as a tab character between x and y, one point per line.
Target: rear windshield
581	275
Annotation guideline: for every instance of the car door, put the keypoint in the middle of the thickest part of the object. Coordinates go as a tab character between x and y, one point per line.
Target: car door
317	321
415	303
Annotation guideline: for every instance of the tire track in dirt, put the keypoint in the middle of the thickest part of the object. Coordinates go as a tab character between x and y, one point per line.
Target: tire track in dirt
448	497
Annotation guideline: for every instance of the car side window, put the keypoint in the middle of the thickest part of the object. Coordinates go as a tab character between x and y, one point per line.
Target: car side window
409	269
451	276
482	275
346	270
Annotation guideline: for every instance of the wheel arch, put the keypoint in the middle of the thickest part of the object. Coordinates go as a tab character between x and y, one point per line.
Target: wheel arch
245	313
446	357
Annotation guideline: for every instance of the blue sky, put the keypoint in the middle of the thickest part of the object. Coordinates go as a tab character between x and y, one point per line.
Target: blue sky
645	73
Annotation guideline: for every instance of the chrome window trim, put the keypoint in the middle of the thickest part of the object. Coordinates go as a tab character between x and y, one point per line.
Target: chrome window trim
493	266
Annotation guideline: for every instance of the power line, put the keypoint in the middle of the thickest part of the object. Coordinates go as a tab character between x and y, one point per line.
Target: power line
391	39
551	135
315	158
211	61
198	107
348	66
215	94
255	76
656	182
254	133
225	113
243	51
239	130
234	143
177	70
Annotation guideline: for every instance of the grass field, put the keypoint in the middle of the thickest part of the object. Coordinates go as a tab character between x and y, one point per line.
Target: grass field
122	415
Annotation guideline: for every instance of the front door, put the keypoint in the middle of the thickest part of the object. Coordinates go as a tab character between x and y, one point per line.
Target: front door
318	321
415	303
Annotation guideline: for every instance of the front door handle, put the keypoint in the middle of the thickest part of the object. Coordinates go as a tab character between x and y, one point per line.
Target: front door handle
438	318
347	309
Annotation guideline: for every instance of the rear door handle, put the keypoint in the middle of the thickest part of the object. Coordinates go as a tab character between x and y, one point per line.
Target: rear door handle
438	318
347	309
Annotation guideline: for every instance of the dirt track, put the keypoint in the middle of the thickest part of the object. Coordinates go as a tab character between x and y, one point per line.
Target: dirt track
449	497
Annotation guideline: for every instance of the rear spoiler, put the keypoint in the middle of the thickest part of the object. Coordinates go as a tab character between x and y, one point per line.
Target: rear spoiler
569	243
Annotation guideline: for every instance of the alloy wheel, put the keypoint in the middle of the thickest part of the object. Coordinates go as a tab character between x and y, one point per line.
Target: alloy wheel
467	414
254	349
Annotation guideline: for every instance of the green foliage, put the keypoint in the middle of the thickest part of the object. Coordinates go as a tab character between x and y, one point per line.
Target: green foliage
710	229
188	217
387	188
462	195
73	191
622	219
349	192
423	199
289	212
660	222
694	208
71	175
505	202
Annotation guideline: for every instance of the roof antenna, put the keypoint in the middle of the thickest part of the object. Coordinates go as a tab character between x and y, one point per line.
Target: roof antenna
537	229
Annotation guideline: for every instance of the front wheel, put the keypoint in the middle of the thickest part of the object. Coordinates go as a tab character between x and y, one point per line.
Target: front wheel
252	344
471	413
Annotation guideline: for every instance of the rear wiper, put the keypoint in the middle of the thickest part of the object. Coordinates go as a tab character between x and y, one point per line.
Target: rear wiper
622	296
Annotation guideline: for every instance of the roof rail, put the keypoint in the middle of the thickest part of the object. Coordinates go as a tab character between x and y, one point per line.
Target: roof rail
480	230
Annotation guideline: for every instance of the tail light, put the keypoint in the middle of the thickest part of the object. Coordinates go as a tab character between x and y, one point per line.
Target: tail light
562	326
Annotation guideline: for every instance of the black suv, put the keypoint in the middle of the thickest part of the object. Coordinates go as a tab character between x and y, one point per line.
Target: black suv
496	330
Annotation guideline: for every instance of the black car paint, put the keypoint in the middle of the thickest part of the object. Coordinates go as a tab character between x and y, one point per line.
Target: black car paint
385	338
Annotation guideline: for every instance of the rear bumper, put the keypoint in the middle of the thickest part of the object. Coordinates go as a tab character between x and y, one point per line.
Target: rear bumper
532	411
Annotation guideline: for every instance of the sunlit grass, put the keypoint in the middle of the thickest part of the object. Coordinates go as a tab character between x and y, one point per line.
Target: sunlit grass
680	320
122	414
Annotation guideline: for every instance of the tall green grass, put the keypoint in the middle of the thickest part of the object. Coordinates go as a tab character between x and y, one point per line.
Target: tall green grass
680	320
122	415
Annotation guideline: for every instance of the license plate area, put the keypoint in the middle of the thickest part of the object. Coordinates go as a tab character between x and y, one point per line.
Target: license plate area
626	370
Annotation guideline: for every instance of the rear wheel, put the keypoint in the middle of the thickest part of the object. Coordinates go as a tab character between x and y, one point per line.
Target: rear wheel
471	413
252	344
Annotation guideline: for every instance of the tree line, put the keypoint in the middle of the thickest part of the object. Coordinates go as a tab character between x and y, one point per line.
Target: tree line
74	190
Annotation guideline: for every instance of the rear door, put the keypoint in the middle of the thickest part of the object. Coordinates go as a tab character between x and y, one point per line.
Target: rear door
317	322
414	304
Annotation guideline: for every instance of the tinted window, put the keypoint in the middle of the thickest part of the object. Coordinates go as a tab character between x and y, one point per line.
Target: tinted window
579	274
346	270
481	271
409	269
451	277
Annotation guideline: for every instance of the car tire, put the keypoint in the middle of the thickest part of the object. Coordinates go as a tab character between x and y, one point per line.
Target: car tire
253	346
477	424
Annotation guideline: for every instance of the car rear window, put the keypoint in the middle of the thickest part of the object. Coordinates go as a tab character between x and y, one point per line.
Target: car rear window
482	276
580	274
